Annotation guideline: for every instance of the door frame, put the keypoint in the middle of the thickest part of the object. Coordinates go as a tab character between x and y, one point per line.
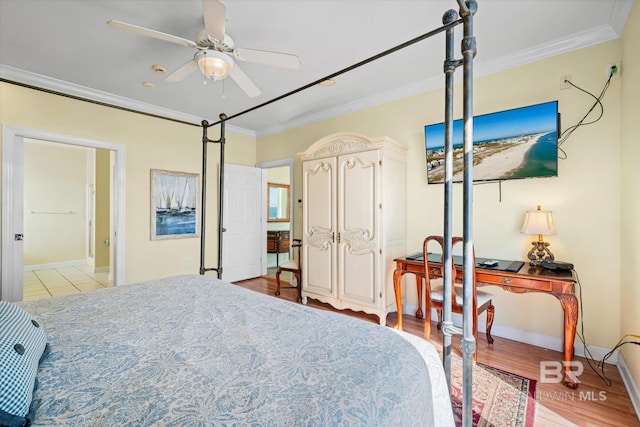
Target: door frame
268	165
12	203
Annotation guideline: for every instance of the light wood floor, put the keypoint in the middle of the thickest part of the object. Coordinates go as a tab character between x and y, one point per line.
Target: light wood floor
593	404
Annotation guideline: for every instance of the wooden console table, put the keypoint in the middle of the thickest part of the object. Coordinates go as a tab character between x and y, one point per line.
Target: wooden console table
560	284
277	243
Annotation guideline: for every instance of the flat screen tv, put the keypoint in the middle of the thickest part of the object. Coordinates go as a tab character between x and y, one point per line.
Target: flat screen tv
510	144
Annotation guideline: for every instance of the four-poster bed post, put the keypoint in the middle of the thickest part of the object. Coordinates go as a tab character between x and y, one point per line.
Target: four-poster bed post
450	65
467	343
205	141
468	47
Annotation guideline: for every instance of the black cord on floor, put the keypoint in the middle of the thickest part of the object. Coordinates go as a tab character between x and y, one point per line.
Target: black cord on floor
590	359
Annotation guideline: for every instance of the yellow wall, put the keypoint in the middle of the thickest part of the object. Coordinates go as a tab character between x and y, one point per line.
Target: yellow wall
55	200
151	143
279	175
630	190
585	199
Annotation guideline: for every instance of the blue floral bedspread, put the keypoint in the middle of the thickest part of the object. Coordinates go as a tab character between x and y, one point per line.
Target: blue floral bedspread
196	351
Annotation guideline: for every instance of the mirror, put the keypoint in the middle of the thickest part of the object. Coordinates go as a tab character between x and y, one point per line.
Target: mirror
277	202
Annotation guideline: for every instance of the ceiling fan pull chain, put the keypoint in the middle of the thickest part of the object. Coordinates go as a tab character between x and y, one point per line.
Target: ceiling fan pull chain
206	66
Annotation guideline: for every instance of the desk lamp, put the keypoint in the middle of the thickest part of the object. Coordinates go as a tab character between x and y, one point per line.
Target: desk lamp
541	223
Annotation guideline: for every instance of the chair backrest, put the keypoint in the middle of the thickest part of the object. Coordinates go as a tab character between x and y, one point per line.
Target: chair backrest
440	246
296	245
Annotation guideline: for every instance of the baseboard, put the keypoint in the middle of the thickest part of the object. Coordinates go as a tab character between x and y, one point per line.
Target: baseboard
64	264
630	384
533	338
101	269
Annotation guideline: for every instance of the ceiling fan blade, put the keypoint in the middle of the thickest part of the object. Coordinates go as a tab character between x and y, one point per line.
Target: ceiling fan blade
182	72
215	16
150	33
244	82
282	60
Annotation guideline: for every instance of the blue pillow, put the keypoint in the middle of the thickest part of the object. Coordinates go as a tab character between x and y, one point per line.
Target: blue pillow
22	343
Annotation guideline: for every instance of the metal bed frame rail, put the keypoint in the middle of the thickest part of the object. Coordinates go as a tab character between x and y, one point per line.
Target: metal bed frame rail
467	10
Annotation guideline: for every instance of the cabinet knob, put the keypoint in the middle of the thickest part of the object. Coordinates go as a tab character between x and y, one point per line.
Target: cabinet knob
506	281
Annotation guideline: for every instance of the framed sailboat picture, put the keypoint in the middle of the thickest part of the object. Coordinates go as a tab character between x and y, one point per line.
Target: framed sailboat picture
174	204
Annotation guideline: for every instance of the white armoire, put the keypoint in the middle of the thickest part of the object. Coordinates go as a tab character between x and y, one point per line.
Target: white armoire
353	221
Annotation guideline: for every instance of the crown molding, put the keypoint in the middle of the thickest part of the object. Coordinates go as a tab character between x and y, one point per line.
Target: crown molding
601	34
93	95
576	41
619	15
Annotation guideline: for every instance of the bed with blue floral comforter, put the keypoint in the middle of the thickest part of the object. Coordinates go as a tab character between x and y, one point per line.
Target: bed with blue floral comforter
196	351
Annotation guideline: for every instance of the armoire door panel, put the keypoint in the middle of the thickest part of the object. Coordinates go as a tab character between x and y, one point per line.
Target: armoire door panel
358	273
319	233
319	271
357	192
319	183
358	240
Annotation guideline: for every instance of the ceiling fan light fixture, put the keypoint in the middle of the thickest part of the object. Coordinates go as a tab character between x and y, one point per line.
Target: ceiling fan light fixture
213	64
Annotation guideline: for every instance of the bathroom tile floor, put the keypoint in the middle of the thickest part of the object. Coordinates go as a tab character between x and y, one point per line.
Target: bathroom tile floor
50	282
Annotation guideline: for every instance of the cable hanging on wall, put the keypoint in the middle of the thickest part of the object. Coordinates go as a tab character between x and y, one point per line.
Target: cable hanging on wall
598	103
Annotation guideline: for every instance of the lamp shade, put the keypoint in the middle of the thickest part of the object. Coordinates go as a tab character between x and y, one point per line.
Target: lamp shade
538	222
213	64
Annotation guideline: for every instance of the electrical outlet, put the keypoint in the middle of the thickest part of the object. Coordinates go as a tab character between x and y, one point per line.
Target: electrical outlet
564	81
613	68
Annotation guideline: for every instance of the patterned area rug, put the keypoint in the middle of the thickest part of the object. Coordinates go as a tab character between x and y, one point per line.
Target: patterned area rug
499	398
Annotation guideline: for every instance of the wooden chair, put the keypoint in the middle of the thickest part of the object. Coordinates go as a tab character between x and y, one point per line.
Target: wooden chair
294	266
434	293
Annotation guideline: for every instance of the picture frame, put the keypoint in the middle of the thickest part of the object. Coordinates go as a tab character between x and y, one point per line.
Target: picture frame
175	210
278	202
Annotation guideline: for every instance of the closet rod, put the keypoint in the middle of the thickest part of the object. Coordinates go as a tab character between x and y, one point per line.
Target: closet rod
51	212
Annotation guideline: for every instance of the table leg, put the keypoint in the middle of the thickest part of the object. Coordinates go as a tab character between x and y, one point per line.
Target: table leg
397	288
419	289
570	306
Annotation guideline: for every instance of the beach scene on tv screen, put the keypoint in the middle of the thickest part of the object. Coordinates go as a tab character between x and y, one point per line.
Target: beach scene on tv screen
518	143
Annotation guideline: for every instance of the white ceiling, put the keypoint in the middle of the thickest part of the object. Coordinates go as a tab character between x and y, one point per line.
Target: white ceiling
66	46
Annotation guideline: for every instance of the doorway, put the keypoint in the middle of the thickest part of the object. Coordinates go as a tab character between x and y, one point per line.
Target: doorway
67	218
13	206
279	177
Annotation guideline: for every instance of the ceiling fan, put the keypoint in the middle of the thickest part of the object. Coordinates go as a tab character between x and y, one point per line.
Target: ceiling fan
215	50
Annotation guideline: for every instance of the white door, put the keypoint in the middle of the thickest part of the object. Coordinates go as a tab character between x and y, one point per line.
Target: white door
319	219
358	213
242	219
